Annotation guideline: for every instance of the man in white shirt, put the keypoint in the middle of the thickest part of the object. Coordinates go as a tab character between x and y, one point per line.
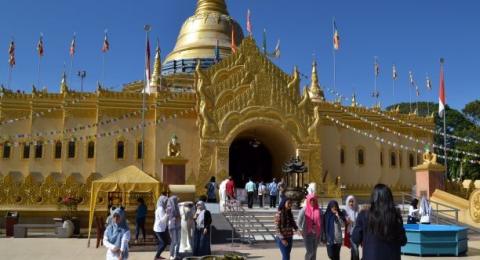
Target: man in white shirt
250	188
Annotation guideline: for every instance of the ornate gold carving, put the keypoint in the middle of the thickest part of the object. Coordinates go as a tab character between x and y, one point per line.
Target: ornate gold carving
208	125
313	128
475	206
429	157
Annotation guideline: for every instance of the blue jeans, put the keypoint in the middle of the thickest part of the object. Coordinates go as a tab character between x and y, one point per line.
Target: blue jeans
162	242
139	225
285	250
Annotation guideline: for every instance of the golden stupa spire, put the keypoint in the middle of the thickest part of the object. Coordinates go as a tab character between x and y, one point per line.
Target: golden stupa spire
354	100
63	83
208	6
157	69
315	91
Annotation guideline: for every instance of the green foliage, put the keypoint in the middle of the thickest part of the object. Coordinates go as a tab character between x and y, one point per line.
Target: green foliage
464	124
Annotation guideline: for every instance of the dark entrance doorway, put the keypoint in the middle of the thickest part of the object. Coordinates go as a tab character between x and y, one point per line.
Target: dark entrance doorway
249	157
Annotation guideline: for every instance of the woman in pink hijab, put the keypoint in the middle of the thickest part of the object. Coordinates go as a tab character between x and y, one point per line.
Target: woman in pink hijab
309	222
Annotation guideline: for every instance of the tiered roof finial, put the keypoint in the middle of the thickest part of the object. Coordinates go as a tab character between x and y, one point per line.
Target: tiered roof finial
207	6
354	100
157	70
316	92
63	83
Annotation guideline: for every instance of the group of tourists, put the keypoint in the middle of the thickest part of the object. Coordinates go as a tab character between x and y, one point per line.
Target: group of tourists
183	232
378	228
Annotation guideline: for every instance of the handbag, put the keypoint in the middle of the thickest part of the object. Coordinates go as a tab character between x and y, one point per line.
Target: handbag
346	238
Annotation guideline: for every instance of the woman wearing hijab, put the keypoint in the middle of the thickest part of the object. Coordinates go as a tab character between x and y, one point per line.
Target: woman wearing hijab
380	228
425	211
116	236
285	226
333	222
160	225
201	235
413	212
174	226
108	221
310	223
140	217
351	210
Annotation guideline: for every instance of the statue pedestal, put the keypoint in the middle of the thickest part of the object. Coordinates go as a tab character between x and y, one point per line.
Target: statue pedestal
429	176
173	170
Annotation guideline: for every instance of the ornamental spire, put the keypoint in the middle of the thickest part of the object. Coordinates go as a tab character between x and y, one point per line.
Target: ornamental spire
316	93
63	83
209	6
157	69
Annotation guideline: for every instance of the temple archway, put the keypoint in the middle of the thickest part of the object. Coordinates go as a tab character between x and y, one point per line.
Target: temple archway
259	152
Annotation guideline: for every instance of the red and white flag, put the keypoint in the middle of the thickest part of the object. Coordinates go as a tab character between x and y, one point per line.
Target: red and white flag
441	94
106	43
148	73
336	37
233	44
11	53
73	45
40	48
249	23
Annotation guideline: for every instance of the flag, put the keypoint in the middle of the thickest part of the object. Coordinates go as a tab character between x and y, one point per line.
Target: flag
147	67
417	90
276	52
11	53
40	49
410	76
249	23
72	46
217	53
376	68
106	44
394	72
441	94
336	37
233	44
429	83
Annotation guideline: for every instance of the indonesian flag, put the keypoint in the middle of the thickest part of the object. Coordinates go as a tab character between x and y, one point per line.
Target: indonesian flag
394	72
11	52
336	37
72	46
441	94
249	23
233	45
147	67
40	49
106	44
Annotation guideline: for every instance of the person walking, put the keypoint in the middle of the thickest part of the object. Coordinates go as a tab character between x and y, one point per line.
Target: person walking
201	236
140	217
117	236
333	222
413	212
174	226
281	190
285	226
250	188
380	228
351	209
310	223
211	188
273	192
160	225
262	189
230	188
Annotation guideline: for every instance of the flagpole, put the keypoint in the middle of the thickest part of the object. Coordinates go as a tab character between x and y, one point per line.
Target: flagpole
39	64
10	70
334	59
147	29
444	128
103	68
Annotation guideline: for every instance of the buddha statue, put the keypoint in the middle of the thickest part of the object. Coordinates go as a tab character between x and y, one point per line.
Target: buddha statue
174	149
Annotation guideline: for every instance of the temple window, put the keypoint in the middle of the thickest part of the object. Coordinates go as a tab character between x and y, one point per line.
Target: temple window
411	160
400	159
120	150
39	150
393	159
71	149
361	156
58	150
381	158
7	148
342	155
26	150
90	150
140	150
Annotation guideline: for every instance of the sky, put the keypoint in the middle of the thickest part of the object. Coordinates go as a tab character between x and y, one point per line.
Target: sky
412	34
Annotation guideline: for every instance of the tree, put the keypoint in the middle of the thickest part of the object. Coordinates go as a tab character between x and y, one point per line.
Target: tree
472	111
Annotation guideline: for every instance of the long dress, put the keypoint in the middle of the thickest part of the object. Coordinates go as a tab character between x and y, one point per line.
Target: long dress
201	241
186	211
223	194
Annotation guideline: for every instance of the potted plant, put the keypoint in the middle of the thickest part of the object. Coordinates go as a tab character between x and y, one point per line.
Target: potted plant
70	204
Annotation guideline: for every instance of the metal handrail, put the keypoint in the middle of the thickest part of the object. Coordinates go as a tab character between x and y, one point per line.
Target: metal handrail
449	209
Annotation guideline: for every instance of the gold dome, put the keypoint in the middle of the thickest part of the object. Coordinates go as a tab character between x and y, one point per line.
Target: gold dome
199	34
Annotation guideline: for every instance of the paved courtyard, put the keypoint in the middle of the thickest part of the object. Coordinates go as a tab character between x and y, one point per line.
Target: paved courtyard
72	249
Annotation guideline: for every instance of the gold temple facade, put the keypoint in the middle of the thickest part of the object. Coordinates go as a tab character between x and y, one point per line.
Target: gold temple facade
55	144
